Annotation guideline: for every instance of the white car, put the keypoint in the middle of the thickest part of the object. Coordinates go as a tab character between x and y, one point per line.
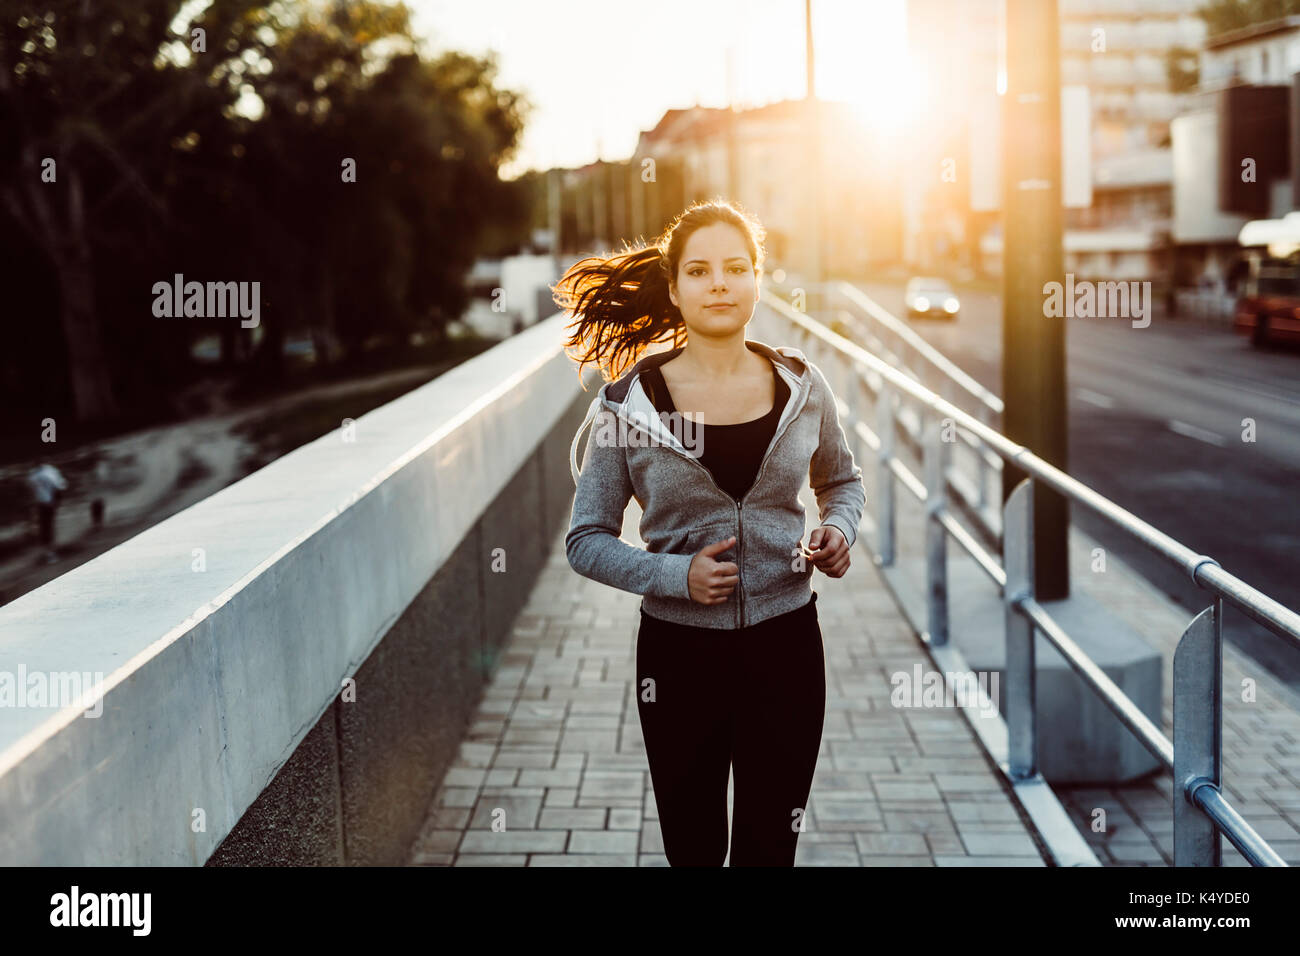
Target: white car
930	297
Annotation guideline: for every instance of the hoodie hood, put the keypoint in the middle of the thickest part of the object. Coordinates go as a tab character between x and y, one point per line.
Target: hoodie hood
626	398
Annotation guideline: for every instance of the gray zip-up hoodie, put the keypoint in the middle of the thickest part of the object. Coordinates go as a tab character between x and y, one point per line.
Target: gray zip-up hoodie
634	450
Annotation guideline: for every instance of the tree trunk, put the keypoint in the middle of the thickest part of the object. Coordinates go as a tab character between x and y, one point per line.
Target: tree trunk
88	372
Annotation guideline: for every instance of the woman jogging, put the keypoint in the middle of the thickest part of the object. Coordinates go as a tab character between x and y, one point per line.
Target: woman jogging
715	438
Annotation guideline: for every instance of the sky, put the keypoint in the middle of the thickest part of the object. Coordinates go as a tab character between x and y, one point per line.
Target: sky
599	73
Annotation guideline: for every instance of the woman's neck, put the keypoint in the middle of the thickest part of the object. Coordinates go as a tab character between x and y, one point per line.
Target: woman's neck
714	360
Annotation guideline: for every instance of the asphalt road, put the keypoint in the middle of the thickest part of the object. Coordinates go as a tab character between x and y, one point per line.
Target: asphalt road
1155	420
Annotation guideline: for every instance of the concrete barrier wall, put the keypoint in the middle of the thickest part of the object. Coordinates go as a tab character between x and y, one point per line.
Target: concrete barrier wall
225	634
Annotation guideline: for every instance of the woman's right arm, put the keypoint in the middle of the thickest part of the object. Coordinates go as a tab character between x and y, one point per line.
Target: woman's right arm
593	545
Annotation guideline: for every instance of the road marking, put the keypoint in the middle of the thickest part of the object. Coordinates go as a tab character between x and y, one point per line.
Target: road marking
1191	431
1264	392
1094	398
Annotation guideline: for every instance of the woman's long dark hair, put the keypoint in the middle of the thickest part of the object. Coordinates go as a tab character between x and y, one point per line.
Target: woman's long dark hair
620	303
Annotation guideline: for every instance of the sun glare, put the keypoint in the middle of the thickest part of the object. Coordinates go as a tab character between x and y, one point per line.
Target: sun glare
862	60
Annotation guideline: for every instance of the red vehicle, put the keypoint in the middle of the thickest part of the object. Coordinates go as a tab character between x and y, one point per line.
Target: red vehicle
1268	302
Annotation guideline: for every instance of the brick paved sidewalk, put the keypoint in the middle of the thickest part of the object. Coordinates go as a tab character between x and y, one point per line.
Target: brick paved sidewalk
557	746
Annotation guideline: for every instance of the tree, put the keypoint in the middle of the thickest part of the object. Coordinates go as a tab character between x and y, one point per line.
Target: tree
1183	69
1223	16
214	145
81	90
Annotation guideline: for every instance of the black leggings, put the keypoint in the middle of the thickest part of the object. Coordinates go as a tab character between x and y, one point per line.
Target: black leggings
752	700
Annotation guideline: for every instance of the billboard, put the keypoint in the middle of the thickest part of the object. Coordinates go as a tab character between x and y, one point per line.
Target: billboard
1254	146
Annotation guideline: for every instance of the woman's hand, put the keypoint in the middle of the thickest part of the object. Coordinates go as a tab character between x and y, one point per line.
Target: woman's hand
830	550
710	581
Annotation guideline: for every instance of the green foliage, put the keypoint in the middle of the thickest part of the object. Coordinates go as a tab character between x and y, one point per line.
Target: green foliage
223	161
1183	69
1224	16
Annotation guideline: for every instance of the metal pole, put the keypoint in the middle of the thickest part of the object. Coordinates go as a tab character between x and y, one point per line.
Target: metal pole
936	536
884	476
1022	692
812	175
1033	346
1198	750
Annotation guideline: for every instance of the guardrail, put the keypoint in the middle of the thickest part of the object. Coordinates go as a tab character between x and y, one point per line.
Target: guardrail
1195	754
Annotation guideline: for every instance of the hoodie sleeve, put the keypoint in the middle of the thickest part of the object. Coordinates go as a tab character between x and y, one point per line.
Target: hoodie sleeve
835	477
593	545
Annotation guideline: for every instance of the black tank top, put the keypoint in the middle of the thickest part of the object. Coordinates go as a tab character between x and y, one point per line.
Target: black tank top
732	453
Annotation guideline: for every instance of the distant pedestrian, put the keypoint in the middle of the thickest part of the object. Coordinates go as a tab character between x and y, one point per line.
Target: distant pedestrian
97	503
48	485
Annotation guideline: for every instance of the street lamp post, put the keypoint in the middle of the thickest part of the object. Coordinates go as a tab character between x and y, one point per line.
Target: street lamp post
813	175
1033	345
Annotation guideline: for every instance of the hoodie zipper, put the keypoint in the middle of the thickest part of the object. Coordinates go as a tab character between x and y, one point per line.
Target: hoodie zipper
762	466
740	585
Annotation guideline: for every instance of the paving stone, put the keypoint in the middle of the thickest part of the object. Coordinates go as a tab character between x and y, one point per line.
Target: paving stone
892	844
520	812
970	811
534	759
945	843
826	854
470	777
918	822
1011	843
491	859
624	819
897	861
580	859
439	841
513	841
565	819
988	861
958	783
604	841
1135	852
905	790
549	778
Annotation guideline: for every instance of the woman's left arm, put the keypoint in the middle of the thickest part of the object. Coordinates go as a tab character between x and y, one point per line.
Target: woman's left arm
835	477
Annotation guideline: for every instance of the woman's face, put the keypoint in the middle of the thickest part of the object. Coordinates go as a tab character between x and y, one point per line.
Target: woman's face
714	269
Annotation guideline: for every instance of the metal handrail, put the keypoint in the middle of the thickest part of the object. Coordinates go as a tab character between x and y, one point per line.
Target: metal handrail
906	333
1194	755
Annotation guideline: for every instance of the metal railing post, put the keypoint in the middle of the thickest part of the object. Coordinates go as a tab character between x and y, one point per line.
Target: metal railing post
981	466
855	400
1198	746
936	535
1021	674
884	475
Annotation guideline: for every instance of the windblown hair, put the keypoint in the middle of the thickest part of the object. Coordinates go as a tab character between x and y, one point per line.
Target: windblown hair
620	303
